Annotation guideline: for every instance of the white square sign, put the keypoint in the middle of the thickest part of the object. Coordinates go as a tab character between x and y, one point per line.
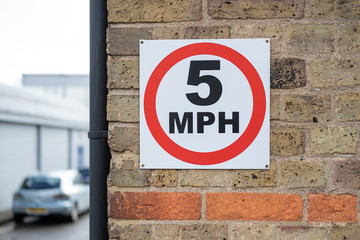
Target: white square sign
204	104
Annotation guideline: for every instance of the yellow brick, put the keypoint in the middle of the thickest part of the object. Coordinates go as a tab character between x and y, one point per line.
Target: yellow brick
300	174
348	107
334	72
259	9
274	32
307	108
310	38
335	9
334	140
287	141
126	11
349	39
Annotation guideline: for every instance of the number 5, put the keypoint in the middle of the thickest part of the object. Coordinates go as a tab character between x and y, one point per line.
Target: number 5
214	84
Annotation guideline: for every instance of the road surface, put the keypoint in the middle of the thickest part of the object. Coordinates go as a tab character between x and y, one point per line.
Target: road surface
46	229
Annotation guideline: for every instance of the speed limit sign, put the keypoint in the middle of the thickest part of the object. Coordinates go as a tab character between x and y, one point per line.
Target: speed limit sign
204	104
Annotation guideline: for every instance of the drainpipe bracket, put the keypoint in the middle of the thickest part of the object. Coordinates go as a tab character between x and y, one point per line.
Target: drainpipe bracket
98	134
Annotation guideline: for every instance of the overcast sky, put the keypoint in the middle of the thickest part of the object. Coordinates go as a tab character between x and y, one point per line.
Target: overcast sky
43	37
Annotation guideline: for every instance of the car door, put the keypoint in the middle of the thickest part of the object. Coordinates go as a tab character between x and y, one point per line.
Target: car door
82	192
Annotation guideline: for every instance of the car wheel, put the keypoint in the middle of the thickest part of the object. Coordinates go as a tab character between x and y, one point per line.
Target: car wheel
18	218
74	215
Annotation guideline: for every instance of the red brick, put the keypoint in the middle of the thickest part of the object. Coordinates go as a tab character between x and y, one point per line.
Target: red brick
332	208
254	206
155	205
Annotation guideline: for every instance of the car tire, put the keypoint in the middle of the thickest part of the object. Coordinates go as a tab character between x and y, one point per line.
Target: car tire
74	215
18	218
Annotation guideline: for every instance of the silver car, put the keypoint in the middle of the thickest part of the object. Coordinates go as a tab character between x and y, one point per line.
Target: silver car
60	193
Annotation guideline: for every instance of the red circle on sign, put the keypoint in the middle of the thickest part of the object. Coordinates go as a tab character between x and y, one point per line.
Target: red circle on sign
251	131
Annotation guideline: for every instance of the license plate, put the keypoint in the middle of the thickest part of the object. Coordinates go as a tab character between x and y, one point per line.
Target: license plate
39	211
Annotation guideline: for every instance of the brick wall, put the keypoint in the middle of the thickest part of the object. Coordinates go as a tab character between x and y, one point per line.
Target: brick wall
312	190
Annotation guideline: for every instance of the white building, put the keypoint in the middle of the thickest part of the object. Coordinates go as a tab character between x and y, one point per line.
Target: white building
72	87
38	133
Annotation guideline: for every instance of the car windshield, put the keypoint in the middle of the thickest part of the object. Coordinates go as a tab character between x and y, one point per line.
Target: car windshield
85	172
41	183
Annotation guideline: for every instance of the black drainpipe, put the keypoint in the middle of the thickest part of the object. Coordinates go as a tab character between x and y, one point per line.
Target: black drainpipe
99	150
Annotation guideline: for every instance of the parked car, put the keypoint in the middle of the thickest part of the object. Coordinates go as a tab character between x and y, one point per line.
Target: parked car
60	193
